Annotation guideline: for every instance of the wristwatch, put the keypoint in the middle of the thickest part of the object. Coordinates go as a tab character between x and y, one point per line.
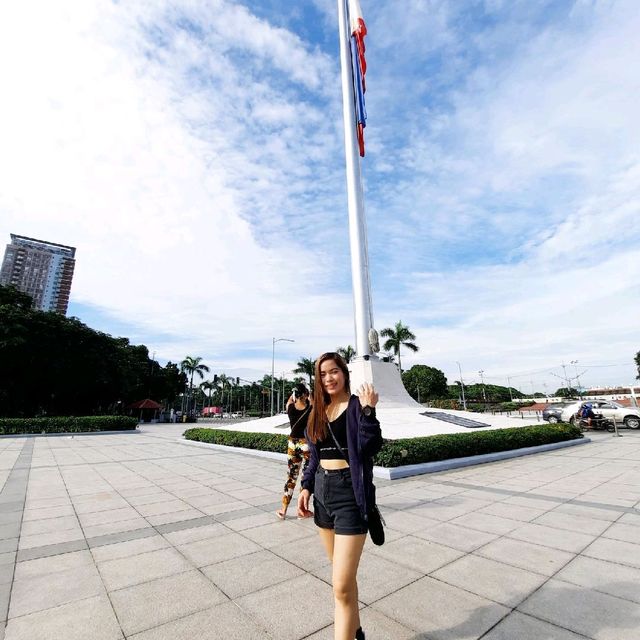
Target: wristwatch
367	410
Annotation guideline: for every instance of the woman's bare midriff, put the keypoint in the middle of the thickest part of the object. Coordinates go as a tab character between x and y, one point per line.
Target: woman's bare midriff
332	465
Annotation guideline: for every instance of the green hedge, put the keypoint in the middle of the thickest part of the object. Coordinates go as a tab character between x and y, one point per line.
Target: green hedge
460	445
395	453
14	426
262	441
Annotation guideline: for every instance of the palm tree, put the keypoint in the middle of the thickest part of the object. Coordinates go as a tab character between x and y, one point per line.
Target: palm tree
223	381
210	386
398	336
191	366
347	353
306	366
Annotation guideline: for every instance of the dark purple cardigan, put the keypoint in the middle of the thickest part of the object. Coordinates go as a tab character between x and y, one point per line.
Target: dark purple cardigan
364	438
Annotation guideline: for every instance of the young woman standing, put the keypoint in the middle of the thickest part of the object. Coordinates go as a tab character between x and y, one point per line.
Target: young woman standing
343	434
298	409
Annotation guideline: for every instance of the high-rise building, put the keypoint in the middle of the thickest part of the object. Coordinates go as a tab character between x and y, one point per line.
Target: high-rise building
43	270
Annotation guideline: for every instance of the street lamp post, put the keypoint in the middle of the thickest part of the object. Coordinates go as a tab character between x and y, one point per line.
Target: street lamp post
273	360
484	392
464	402
575	364
510	392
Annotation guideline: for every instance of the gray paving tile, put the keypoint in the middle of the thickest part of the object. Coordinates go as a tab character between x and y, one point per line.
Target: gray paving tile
532	557
615	579
455	536
53	589
222	621
52	564
550	537
623	532
493	580
417	554
278	533
121	536
209	551
519	626
128	571
377	577
69	621
52	537
615	551
155	603
440	611
260	606
572	522
185	524
595	615
487	523
51	550
249	573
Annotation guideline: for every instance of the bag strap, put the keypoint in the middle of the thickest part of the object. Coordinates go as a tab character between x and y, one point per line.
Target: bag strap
300	418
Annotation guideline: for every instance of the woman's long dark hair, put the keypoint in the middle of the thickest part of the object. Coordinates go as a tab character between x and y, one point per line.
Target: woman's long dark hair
317	424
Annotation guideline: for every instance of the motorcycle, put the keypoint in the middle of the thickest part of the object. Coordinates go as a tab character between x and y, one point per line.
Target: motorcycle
598	423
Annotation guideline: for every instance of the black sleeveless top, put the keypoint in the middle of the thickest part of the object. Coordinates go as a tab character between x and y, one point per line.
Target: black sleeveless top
327	449
298	420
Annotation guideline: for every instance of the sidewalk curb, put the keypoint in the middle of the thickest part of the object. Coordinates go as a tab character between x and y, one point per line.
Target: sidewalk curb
394	473
59	434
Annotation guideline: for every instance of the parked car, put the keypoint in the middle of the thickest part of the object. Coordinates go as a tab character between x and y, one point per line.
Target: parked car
553	413
629	416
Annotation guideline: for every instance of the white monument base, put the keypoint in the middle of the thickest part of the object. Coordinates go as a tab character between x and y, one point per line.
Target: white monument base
385	377
398	412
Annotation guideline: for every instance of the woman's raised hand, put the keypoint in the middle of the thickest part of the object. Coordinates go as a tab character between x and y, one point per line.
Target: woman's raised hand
368	395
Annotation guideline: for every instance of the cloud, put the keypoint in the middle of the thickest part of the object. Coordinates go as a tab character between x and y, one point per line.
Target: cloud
193	153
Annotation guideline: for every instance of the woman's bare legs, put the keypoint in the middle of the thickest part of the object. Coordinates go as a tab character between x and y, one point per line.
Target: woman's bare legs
327	537
346	557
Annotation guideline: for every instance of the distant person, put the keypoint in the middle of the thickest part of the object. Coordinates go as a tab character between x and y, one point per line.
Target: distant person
298	409
587	413
344	435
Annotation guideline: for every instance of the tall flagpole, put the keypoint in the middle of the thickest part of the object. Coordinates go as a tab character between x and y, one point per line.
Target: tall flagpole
363	311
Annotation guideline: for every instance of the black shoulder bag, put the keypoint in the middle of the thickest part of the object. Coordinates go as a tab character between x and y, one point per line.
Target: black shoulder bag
374	517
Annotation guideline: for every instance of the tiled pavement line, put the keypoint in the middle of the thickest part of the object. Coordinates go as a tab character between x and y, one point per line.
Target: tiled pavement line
12	501
620	509
149	531
526	494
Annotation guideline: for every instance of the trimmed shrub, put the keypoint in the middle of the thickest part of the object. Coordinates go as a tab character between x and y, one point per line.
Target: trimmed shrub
247	440
460	445
395	453
68	424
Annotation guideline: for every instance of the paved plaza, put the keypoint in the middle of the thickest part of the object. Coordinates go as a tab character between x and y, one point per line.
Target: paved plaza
139	536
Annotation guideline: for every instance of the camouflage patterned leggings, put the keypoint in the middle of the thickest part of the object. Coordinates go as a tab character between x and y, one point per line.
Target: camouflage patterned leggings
297	453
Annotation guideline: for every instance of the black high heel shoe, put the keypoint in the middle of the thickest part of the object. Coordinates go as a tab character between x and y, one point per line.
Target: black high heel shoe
360	634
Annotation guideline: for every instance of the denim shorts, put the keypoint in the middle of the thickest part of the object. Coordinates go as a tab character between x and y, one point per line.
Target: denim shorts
334	503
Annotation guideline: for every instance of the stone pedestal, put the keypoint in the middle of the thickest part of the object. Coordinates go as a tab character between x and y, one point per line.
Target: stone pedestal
385	377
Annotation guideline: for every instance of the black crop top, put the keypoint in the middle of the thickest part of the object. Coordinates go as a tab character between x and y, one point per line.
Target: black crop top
327	449
298	420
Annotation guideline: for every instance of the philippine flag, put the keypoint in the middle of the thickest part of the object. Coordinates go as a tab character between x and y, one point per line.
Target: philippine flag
359	64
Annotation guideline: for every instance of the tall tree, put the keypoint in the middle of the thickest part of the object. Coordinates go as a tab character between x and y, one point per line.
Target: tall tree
210	386
306	366
398	336
347	352
192	366
425	382
637	359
